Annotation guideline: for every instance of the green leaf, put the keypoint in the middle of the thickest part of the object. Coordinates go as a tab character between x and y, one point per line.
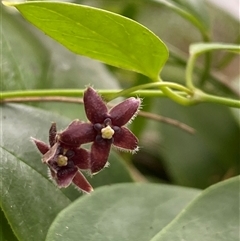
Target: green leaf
200	48
6	233
213	215
121	212
99	34
30	201
23	57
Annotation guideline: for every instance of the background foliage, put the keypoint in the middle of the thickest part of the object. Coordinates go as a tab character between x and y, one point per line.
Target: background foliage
31	206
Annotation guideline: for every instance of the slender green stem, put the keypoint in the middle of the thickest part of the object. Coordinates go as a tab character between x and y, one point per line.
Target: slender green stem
218	100
183	100
181	97
79	93
218	80
150	85
42	92
189	71
176	97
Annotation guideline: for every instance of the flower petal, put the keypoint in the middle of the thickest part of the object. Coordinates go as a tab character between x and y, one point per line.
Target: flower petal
125	139
81	159
65	176
99	154
124	111
81	182
41	146
77	133
52	134
51	154
96	110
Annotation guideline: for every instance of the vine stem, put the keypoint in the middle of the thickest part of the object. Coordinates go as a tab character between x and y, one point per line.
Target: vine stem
189	71
183	100
218	100
108	94
181	95
160	84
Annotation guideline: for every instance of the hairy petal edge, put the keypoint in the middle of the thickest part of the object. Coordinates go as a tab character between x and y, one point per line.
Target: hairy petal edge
96	110
125	139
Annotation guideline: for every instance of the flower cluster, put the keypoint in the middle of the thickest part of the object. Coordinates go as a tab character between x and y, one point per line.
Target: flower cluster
64	155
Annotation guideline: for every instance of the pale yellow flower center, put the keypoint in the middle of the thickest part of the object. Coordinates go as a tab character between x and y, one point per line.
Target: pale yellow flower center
107	132
62	160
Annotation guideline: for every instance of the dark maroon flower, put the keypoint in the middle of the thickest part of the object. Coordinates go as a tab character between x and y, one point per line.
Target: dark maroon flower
64	161
106	128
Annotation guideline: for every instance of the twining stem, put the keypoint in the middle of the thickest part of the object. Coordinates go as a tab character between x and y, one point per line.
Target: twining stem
200	95
177	98
165	91
183	100
40	93
151	85
189	71
215	77
108	94
219	100
182	96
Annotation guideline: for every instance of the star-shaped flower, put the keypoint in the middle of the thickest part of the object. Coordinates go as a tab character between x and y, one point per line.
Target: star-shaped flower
105	128
64	161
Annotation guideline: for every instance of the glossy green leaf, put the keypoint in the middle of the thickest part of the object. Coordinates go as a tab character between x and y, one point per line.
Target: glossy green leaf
30	201
68	70
99	34
121	212
213	215
200	48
